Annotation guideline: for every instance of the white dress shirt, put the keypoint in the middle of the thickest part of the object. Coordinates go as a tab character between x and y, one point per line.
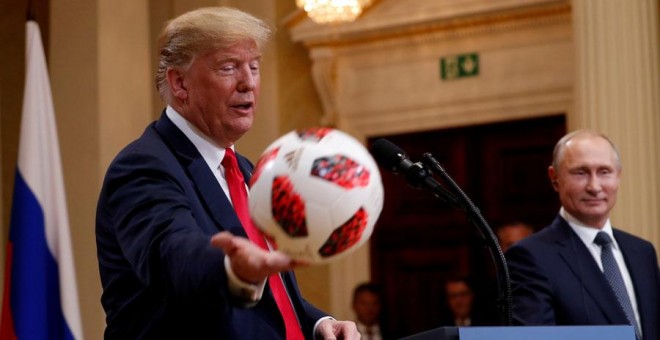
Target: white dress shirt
369	332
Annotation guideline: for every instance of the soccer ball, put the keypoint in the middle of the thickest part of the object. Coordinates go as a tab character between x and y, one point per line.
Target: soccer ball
316	194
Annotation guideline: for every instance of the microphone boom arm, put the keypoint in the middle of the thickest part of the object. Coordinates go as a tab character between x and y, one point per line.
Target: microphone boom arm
419	176
504	301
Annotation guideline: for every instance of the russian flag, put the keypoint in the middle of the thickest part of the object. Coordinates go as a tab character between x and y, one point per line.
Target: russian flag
40	295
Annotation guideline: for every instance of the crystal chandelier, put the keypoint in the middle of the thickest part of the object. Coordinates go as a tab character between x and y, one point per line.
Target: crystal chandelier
333	11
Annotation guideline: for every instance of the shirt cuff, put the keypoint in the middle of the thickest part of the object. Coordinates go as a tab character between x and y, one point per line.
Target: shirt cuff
318	322
248	293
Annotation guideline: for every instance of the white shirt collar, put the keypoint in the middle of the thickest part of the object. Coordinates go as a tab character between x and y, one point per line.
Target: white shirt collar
362	328
210	151
587	234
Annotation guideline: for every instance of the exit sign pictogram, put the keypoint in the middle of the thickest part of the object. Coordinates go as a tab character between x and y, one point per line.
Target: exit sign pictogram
459	66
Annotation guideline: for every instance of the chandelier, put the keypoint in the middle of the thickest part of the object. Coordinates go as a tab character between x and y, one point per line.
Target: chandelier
333	11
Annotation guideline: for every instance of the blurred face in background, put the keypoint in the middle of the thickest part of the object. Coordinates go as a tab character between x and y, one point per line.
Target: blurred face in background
459	298
510	234
366	306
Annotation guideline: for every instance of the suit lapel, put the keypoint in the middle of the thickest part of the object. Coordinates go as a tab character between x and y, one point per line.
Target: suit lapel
573	251
639	273
245	166
214	197
207	186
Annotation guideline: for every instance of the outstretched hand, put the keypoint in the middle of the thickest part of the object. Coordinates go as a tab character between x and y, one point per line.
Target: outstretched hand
331	329
248	261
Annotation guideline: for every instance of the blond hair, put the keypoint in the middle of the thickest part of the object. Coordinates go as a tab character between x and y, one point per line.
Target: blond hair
200	31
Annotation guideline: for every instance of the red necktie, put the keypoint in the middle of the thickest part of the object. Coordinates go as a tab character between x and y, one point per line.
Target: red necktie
239	198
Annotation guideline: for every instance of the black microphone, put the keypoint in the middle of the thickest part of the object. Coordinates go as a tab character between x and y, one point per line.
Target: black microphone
394	159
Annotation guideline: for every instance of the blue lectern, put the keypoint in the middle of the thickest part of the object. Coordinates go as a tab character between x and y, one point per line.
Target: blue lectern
528	332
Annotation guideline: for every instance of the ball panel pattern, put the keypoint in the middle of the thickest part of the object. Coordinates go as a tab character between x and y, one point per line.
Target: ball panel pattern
313	134
266	158
316	194
288	208
347	235
341	171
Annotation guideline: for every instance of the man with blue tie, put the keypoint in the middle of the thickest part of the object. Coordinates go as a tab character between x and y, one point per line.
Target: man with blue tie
178	254
580	270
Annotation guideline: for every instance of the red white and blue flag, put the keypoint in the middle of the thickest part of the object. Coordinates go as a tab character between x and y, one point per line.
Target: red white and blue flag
40	294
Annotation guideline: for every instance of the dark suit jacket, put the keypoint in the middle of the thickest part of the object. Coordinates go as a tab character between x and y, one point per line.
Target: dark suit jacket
555	280
158	208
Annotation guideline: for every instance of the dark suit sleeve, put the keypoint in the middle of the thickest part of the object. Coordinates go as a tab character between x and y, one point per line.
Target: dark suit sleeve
150	214
313	313
530	289
650	305
641	259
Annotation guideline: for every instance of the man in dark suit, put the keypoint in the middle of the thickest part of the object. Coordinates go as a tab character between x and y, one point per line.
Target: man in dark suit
172	221
579	270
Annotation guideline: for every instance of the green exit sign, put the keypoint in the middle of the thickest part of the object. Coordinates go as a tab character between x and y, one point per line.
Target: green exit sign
459	66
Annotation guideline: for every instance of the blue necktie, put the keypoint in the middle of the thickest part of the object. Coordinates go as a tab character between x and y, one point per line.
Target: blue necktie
613	275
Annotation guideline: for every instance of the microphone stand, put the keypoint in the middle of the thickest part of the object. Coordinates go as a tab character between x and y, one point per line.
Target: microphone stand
461	200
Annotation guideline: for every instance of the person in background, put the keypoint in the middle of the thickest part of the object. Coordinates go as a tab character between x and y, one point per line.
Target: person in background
512	232
179	257
580	270
367	306
460	300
